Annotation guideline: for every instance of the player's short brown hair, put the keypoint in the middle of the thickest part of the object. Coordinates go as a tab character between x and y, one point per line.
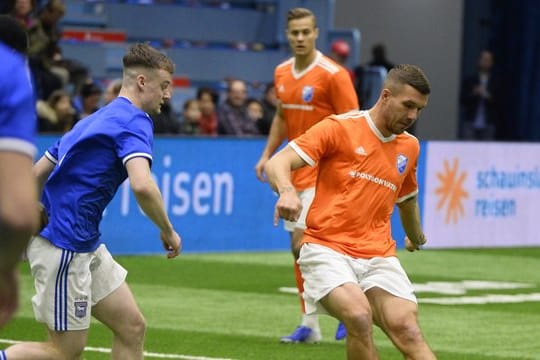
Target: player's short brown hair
406	74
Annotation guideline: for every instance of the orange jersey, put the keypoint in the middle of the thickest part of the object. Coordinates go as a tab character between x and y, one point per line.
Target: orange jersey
324	88
361	176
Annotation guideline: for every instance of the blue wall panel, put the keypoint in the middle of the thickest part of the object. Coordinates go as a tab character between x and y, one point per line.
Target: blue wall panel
211	194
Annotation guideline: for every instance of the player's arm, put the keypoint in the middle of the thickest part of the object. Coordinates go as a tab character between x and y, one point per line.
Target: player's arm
149	199
277	134
278	170
18	207
42	169
409	213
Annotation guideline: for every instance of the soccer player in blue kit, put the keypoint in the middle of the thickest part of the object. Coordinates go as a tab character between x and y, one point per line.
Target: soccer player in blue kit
18	191
75	275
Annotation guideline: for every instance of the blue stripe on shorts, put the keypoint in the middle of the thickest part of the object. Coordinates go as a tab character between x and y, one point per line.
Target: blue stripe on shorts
60	292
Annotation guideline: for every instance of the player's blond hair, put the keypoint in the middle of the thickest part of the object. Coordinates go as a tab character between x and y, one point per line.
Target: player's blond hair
300	13
144	55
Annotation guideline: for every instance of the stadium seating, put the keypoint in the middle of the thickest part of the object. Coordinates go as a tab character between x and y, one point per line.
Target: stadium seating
244	39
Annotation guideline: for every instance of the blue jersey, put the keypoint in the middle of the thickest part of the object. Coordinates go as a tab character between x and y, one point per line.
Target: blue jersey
90	166
17	104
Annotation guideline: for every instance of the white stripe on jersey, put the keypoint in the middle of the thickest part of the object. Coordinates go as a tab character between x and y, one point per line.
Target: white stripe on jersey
49	156
328	66
134	155
350	114
302	154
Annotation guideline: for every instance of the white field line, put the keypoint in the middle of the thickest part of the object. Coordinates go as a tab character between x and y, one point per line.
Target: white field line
146	354
483	299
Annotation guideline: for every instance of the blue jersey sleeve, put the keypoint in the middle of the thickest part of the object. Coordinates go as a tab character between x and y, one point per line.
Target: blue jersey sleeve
52	152
18	115
136	140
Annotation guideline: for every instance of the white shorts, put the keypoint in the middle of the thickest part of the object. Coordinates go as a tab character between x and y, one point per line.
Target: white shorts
68	283
324	269
306	197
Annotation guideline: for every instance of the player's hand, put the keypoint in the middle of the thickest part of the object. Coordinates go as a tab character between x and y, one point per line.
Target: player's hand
259	169
288	207
172	243
413	246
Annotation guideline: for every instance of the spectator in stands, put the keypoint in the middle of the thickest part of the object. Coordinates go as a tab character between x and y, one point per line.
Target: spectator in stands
208	100
44	50
50	69
309	87
339	52
22	11
166	121
232	115
90	99
255	112
269	103
480	101
112	90
191	118
378	53
57	114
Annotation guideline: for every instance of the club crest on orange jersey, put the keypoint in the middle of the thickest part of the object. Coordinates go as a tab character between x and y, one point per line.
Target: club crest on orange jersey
402	161
307	93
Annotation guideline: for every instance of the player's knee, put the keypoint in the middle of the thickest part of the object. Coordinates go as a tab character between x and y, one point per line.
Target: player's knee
358	322
404	333
134	330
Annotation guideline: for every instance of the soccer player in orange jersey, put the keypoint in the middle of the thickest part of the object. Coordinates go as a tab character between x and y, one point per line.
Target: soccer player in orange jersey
309	86
366	164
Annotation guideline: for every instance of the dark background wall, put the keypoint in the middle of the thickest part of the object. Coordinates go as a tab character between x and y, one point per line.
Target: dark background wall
426	33
446	38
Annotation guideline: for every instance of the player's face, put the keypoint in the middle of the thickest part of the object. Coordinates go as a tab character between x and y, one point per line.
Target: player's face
157	89
302	35
403	108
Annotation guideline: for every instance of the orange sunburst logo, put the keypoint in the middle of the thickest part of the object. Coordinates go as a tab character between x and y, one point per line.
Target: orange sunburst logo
451	192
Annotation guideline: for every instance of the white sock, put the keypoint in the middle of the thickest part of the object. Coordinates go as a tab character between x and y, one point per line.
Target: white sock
310	320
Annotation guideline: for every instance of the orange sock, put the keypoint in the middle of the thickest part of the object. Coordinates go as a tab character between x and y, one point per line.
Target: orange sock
300	286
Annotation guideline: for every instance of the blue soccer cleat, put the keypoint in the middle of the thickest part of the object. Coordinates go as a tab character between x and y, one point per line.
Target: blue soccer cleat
302	334
341	331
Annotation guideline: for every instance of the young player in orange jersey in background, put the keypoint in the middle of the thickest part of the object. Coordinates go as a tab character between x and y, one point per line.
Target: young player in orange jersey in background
309	87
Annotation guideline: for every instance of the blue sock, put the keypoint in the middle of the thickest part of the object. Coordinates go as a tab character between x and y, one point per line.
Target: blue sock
3	355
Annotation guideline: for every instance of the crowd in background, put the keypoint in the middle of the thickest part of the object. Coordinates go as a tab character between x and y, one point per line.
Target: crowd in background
66	91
